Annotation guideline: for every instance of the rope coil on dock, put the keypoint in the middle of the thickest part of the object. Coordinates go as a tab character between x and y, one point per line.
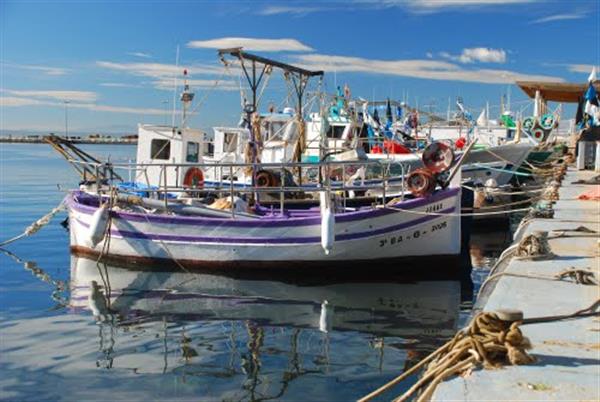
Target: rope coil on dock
490	341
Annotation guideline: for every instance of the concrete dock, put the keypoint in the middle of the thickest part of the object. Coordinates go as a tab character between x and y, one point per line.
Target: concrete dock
567	352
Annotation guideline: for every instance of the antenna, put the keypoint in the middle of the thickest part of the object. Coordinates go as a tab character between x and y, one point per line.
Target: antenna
186	97
175	88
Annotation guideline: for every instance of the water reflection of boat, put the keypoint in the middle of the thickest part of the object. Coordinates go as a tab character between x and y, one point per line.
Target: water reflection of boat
418	309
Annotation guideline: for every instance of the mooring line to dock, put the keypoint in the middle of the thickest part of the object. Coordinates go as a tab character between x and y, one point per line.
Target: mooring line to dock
494	191
459	214
491	340
37	225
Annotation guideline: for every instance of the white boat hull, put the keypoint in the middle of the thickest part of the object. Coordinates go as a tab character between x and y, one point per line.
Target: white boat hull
382	234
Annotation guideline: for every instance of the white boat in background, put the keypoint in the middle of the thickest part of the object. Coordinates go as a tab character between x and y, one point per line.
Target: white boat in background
344	136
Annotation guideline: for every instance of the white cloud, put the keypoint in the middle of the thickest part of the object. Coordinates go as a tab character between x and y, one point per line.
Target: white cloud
74	96
255	44
55	71
10	101
582	68
162	75
477	54
559	17
427	69
140	54
294	10
438	5
118	85
221	85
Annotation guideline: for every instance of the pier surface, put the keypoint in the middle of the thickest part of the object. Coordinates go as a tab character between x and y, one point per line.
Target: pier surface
567	352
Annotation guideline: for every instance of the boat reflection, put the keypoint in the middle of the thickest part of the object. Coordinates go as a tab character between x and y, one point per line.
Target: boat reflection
267	332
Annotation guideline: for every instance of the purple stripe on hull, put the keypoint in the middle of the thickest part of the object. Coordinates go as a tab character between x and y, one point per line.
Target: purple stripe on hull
270	221
269	240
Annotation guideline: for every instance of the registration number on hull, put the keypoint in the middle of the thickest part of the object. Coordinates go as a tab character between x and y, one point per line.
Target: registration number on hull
398	239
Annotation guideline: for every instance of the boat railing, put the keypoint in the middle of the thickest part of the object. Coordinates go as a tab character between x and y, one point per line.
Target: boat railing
382	179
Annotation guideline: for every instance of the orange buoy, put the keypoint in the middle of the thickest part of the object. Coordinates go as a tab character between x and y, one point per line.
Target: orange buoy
421	182
194	178
460	143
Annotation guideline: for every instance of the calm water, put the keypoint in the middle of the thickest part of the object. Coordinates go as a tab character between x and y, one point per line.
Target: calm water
181	336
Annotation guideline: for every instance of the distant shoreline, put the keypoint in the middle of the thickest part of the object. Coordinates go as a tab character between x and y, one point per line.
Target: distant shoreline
40	140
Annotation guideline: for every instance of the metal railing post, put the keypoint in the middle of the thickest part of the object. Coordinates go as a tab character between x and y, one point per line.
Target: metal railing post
231	190
165	187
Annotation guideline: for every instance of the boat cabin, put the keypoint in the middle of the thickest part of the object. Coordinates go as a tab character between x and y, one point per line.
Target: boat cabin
168	145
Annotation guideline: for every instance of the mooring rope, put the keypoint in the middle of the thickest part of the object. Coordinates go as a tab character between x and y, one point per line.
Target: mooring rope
37	225
459	214
490	341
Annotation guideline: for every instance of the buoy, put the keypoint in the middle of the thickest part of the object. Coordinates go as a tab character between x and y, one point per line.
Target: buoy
529	123
98	225
460	143
325	319
194	178
547	121
327	224
420	182
538	134
97	301
438	157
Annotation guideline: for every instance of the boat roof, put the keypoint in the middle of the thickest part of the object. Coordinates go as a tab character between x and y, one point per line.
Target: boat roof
568	92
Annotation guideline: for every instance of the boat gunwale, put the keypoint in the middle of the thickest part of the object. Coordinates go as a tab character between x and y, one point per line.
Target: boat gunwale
262	221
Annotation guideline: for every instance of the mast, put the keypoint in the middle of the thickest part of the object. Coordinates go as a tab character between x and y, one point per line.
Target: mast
297	75
186	97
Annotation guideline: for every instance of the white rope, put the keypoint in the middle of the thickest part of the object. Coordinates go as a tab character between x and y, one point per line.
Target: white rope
458	214
37	225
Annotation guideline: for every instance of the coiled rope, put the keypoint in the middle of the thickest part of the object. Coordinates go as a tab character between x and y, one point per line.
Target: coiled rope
491	340
37	225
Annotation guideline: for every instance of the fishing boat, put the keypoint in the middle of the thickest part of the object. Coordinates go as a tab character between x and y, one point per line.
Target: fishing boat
399	140
289	215
244	235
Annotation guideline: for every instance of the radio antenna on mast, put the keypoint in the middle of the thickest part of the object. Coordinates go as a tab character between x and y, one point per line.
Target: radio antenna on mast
175	88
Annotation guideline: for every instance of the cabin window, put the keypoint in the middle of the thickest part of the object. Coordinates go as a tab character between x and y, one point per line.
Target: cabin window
160	149
335	131
193	149
229	142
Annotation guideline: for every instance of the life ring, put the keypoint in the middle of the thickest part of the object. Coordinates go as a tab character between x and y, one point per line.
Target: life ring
265	178
547	121
194	178
538	134
529	123
421	182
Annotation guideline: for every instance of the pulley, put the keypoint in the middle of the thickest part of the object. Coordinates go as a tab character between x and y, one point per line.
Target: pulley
438	157
421	182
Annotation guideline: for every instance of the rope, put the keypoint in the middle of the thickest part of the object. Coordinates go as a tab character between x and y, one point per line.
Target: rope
579	276
60	286
494	191
37	225
504	170
488	341
459	213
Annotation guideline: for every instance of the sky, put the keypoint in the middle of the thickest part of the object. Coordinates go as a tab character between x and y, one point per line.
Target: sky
111	65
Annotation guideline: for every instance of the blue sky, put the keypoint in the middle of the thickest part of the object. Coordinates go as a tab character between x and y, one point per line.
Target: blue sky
114	61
